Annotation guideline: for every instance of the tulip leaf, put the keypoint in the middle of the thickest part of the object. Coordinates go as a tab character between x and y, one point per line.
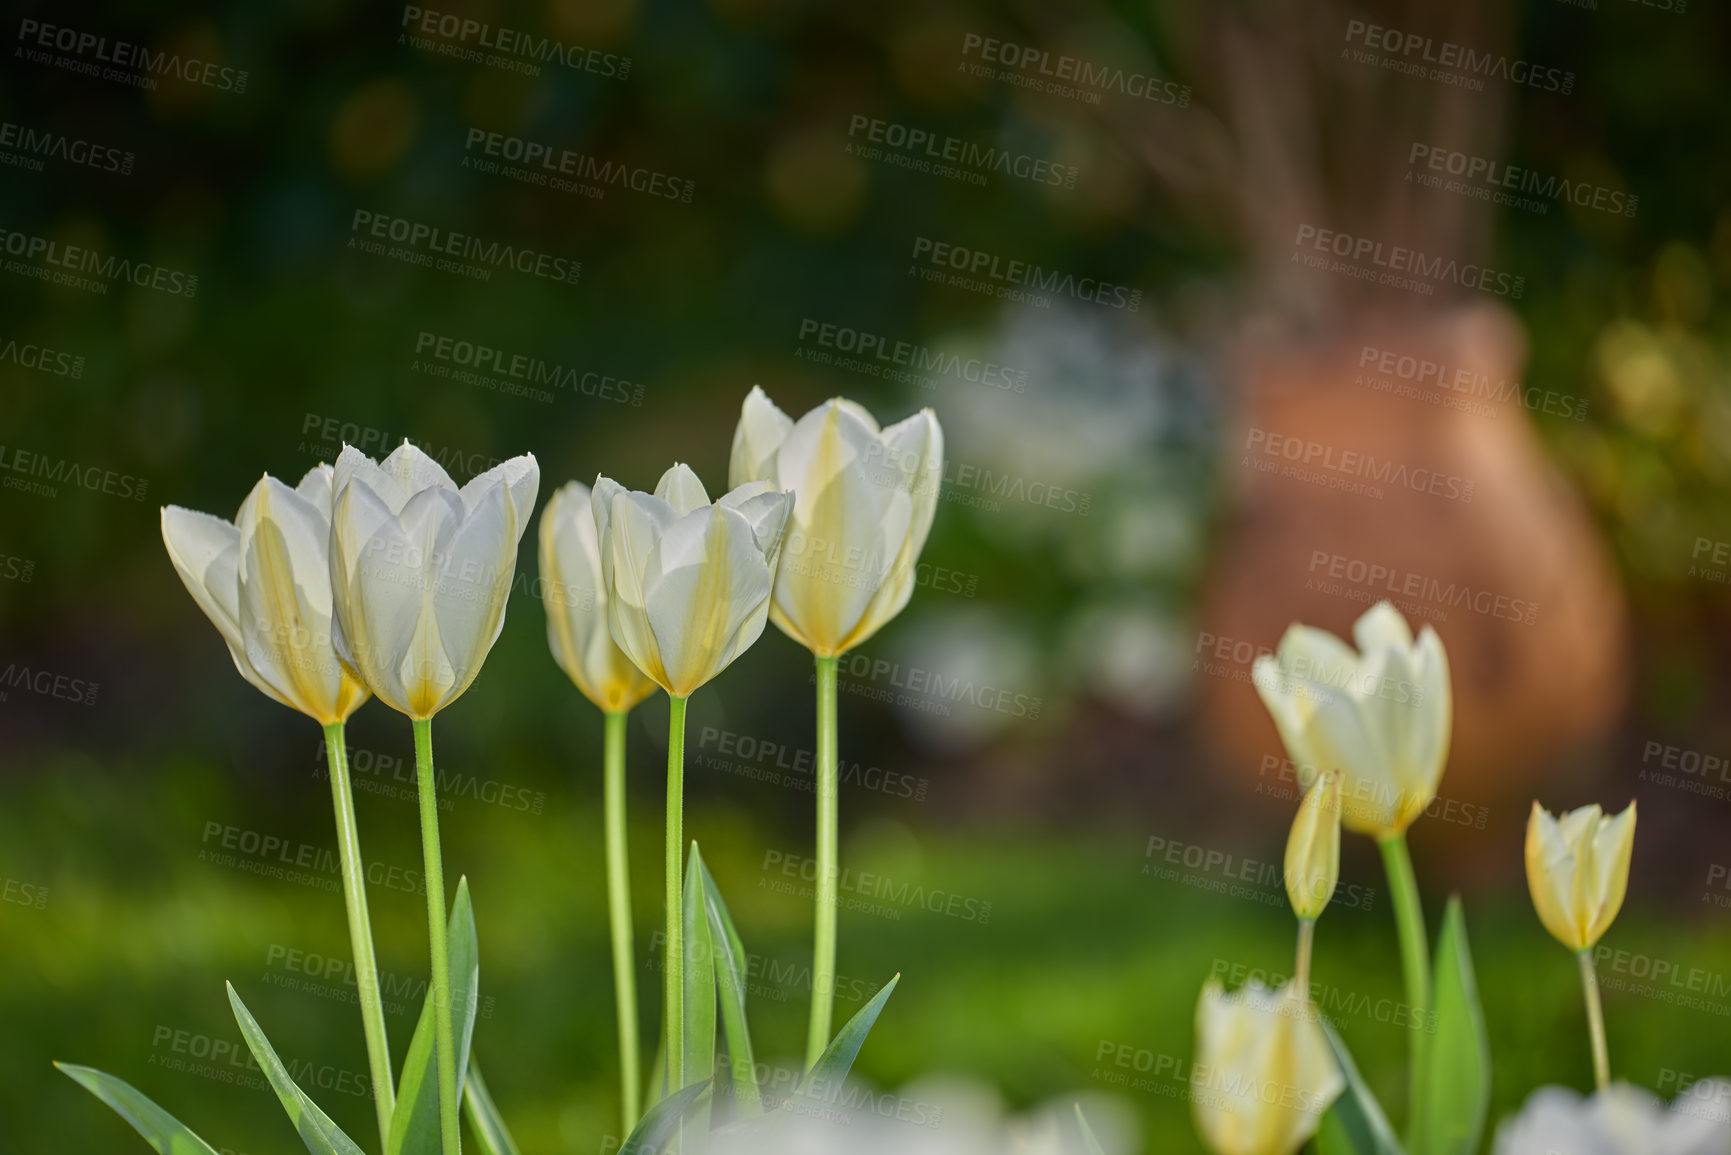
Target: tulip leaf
657	1088
831	1069
729	955
1354	1124
1090	1144
698	976
321	1136
484	1118
661	1121
415	1123
1455	1087
165	1133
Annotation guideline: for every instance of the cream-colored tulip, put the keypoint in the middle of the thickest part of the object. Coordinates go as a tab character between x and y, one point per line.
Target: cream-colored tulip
1264	1072
687	581
1381	715
1313	848
264	581
864	499
1578	870
421	570
576	601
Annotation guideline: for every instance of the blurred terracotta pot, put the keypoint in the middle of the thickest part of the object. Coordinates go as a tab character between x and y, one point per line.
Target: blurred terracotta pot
1397	459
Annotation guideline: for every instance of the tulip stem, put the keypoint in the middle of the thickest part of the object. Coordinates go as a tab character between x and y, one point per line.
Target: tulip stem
673	968
619	913
360	928
444	1037
1301	969
1595	1019
1414	950
828	876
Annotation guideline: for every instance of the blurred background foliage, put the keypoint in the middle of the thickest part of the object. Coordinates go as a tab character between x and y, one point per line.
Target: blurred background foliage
107	810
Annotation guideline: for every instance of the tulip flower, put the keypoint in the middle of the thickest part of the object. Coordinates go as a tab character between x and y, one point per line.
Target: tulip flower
420	572
1264	1072
1620	1120
1313	865
1578	873
687	585
264	581
1381	715
583	645
864	502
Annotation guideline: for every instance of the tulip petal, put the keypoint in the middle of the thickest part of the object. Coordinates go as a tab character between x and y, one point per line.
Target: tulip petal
473	582
761	430
351	464
634	522
706	579
205	551
382	600
1382	627
414	471
523	477
315	488
680	488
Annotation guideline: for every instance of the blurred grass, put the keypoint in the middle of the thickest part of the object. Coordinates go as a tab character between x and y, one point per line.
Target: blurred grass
1081	959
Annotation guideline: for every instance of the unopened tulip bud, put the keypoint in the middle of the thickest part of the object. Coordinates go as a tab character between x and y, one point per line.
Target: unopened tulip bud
1313	848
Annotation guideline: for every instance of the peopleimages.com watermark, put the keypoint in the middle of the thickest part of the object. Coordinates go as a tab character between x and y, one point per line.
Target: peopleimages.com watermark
1444	61
1417	595
1495	182
954	158
1059	74
1710	561
1010	279
507	49
1397	266
567	170
17	569
1348	470
1216	871
444	250
781	764
869	354
289	860
1663	980
927	691
41	358
1685	769
30	149
23	678
89	54
394	776
1333	1002
334	977
20	893
868	892
42	475
229	1061
1360	792
1457	387
516	374
80	267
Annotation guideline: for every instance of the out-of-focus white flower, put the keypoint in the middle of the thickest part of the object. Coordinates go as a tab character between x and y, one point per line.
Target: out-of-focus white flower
1381	716
264	581
1265	1073
420	571
688	582
864	499
1621	1120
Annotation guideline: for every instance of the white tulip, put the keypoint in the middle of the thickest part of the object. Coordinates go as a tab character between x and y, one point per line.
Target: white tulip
1381	716
864	502
687	582
421	570
576	601
264	581
1264	1072
1621	1120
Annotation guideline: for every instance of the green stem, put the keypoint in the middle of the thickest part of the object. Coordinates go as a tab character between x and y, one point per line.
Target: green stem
673	964
444	1038
828	874
360	928
1595	1019
619	914
1301	970
1414	953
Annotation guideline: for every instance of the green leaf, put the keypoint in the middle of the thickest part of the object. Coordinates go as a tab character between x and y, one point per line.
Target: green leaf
658	1124
1354	1124
1454	1091
730	983
489	1128
657	1088
832	1067
321	1136
1091	1144
160	1129
415	1124
699	980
